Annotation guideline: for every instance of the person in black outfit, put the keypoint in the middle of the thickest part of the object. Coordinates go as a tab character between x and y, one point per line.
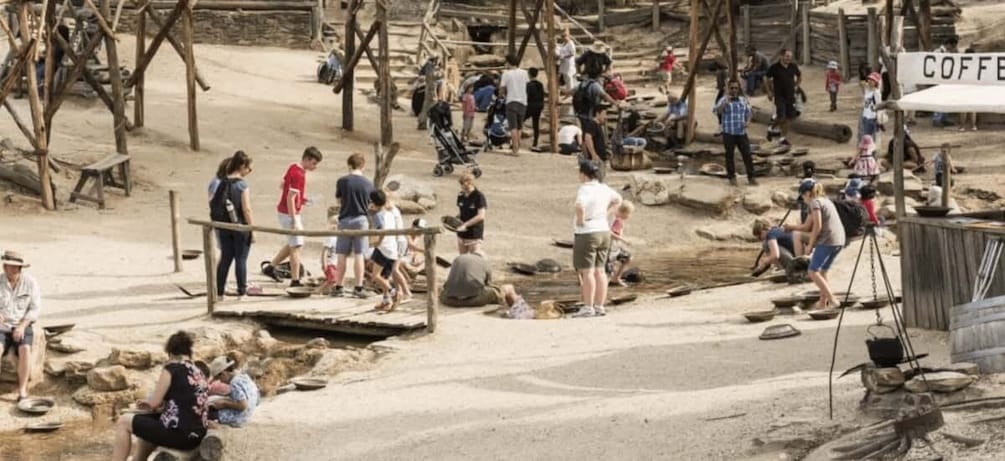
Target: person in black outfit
472	205
784	77
180	397
234	245
535	102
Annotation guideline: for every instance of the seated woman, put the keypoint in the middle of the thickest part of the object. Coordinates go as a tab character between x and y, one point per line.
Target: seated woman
237	407
781	248
179	396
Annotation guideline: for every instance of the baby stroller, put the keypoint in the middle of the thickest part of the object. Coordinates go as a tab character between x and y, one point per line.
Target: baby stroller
330	69
450	150
496	126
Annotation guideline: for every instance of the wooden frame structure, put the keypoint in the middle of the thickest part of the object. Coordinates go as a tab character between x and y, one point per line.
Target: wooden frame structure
145	53
37	28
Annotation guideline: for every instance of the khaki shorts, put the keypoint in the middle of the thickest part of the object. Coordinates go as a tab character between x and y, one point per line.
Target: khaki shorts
490	295
664	76
590	251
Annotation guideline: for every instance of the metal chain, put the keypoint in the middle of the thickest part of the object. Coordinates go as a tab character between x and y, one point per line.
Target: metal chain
872	269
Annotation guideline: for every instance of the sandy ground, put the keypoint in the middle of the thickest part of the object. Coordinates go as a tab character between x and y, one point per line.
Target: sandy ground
639	384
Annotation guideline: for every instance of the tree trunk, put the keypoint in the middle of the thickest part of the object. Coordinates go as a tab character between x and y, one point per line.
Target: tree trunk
833	131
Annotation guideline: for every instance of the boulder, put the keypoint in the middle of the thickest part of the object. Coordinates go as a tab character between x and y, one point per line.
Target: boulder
486	60
783	199
69	347
913	187
966	368
941	381
75	372
650	190
757	201
317	343
8	367
714	196
139	360
707	234
264	341
410	207
108	379
426	202
90	397
882	380
409	188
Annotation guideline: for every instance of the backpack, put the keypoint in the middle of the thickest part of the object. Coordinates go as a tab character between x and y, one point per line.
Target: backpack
583	101
616	89
853	217
221	208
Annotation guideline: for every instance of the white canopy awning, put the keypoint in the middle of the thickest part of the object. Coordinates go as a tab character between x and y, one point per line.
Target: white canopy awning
956	99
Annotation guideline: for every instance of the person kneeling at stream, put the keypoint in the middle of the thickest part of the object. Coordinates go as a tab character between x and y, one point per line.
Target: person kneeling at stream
784	250
242	397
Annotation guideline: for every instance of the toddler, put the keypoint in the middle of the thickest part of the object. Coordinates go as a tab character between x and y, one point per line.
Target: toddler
468	107
619	257
832	82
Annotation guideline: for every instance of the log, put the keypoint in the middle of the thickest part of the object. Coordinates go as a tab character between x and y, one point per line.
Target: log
22	176
833	131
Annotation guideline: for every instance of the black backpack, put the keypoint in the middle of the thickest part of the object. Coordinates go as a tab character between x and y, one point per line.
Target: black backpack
218	209
853	217
583	102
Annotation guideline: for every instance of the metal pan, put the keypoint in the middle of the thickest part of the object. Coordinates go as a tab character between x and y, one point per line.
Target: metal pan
308	384
44	427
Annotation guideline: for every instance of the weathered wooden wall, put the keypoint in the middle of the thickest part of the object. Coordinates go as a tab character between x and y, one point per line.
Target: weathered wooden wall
288	27
939	262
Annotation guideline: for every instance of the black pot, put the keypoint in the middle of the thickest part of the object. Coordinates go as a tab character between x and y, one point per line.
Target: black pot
885	352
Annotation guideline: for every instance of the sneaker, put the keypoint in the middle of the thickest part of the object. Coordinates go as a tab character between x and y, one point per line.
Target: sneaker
599	311
338	292
270	271
732	181
584	312
295	283
360	293
752	181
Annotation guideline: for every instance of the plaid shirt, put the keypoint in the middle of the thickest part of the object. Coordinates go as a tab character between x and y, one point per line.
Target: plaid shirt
734	115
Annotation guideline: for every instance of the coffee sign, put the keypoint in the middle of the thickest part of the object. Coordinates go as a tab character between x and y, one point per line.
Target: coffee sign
922	68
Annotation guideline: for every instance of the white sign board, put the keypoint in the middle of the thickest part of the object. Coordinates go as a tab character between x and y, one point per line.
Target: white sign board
922	68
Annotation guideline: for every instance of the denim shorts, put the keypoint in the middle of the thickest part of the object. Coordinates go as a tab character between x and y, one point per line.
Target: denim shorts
823	257
8	343
352	245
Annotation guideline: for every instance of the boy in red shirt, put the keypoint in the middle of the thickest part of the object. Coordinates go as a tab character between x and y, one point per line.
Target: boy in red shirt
289	207
832	83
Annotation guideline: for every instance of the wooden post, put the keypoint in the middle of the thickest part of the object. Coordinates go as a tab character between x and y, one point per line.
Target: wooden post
925	27
115	78
694	58
193	118
947	174
209	255
429	100
807	49
511	28
745	13
600	15
734	71
386	85
889	21
843	44
141	46
551	66
898	164
432	285
349	73
656	15
37	114
159	21
50	57
872	39
175	229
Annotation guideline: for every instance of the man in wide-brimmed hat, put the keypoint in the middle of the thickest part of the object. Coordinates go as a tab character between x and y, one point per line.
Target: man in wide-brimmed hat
595	61
19	306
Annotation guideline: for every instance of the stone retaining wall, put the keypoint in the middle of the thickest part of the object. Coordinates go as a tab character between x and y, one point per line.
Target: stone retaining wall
286	28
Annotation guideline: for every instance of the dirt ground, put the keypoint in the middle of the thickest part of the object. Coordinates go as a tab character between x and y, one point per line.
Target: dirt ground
646	382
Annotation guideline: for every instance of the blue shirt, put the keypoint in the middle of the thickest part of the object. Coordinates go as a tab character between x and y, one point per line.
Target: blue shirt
734	115
483	97
783	238
678	108
242	388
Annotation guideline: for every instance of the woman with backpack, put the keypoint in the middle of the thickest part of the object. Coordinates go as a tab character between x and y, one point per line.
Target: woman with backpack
827	237
232	204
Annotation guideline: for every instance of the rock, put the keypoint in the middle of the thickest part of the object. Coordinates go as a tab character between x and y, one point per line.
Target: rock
941	381
158	357
486	60
706	233
8	368
90	397
256	367
426	203
703	194
75	373
913	187
108	379
966	368
882	380
139	360
650	190
264	341
317	343
757	201
409	188
410	207
783	199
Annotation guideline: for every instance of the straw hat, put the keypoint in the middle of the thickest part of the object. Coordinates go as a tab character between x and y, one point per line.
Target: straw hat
547	310
219	365
598	47
13	258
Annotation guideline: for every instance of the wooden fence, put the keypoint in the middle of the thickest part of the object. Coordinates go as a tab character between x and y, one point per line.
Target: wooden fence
429	252
939	262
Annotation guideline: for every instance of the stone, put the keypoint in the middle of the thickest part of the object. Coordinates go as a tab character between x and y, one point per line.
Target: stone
757	201
75	373
706	233
108	379
65	348
264	341
158	357
783	199
913	187
317	343
409	188
410	207
426	203
8	367
650	190
90	397
139	360
274	27
966	368
714	196
882	380
486	60
940	381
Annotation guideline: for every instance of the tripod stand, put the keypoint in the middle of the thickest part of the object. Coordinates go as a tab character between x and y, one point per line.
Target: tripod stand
872	242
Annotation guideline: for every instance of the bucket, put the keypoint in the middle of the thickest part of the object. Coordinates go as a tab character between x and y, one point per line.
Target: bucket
977	334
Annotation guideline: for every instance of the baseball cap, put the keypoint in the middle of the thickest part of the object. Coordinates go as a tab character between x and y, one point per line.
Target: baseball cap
806	185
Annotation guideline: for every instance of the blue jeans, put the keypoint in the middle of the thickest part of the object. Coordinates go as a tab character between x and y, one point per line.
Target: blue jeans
234	248
752	80
823	257
867	126
635	142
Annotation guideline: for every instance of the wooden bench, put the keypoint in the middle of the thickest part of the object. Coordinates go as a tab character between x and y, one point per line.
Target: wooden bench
103	172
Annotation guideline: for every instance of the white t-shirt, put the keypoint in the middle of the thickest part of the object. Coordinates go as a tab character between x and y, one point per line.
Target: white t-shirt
330	257
568	133
595	198
384	219
567	58
515	82
400	223
870	99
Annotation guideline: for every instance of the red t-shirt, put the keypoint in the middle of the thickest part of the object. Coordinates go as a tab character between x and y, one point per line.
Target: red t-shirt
295	179
618	226
833	78
668	62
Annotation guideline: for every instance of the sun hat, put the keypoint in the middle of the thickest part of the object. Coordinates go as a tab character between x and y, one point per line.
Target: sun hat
876	77
13	258
806	185
598	47
419	223
852	189
219	365
867	142
832	65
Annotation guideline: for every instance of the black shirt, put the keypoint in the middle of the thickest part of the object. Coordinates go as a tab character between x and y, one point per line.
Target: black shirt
353	192
469	206
784	80
535	96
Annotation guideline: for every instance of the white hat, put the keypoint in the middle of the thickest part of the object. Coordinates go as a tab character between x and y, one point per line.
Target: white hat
13	258
832	65
219	365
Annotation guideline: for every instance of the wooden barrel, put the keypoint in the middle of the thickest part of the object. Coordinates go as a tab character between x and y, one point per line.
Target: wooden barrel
977	334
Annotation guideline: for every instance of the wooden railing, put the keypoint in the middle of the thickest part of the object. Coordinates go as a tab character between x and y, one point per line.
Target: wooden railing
429	253
427	33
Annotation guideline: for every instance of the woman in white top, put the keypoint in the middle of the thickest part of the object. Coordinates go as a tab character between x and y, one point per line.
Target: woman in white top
872	96
595	203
